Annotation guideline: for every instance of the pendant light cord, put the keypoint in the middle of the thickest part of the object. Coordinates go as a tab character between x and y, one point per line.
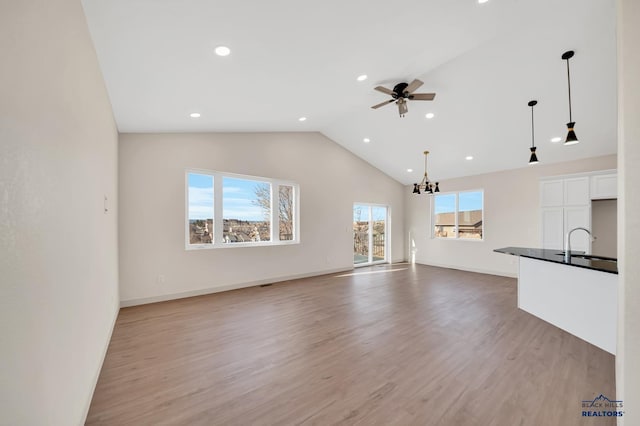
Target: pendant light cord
425	165
424	178
532	134
569	81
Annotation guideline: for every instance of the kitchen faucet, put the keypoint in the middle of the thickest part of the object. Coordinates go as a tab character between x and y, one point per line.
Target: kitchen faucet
567	243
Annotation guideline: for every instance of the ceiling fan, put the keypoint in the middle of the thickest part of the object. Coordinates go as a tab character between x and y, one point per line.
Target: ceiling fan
403	92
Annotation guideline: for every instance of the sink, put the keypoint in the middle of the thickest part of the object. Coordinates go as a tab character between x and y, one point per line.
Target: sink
592	257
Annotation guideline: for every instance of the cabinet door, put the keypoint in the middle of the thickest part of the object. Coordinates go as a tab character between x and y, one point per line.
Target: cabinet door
574	217
551	193
552	228
576	191
604	186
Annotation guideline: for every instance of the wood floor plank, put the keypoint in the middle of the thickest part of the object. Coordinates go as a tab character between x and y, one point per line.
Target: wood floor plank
394	344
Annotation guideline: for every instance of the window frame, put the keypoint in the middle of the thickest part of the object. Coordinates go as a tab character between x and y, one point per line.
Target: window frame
456	213
218	210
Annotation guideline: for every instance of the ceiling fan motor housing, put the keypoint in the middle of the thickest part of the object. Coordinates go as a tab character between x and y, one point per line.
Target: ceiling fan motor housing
398	90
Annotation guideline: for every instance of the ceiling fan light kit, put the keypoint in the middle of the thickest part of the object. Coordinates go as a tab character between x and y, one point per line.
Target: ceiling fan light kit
571	139
402	107
425	186
403	92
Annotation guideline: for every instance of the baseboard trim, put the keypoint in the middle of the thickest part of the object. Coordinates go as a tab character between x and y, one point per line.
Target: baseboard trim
477	270
102	358
218	289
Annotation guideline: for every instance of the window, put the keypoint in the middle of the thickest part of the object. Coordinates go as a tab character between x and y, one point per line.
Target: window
470	215
285	212
200	209
445	215
246	210
458	215
225	210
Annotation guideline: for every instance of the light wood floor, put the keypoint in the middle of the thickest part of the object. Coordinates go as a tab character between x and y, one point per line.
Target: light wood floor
388	345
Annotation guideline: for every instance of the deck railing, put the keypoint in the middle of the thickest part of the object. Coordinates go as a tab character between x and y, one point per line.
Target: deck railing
361	244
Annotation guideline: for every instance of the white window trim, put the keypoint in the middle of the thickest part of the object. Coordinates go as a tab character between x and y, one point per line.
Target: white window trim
218	224
457	237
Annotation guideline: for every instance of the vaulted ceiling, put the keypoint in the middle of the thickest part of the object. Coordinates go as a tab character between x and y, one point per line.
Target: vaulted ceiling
292	59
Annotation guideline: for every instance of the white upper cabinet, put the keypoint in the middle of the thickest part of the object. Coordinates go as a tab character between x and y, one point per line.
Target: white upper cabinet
552	193
604	186
576	191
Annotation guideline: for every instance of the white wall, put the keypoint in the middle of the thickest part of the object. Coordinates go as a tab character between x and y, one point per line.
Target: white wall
511	217
58	250
627	365
152	210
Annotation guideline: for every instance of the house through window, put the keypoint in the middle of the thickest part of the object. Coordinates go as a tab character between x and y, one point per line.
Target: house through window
458	215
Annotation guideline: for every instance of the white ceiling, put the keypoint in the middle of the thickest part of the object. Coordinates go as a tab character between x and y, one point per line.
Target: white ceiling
293	58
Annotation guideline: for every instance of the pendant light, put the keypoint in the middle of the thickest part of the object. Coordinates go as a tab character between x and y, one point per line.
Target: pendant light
571	135
534	158
424	185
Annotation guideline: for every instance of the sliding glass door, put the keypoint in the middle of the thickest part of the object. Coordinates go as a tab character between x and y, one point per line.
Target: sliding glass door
369	234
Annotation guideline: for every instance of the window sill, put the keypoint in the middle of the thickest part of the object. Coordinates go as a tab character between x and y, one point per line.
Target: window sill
477	240
192	247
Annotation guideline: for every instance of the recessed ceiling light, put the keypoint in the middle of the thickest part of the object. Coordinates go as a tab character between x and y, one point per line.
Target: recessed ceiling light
222	51
302	119
409	170
366	140
194	115
556	139
430	115
482	1
362	77
469	157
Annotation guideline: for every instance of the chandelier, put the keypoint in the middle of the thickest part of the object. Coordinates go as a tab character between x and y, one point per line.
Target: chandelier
425	186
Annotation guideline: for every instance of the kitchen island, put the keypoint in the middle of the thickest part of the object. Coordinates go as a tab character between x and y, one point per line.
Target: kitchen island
579	296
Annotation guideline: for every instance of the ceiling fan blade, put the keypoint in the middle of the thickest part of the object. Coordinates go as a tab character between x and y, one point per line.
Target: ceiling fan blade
422	96
413	86
384	90
383	103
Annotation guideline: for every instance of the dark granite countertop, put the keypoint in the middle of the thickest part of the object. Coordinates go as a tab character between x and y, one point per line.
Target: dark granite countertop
604	264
